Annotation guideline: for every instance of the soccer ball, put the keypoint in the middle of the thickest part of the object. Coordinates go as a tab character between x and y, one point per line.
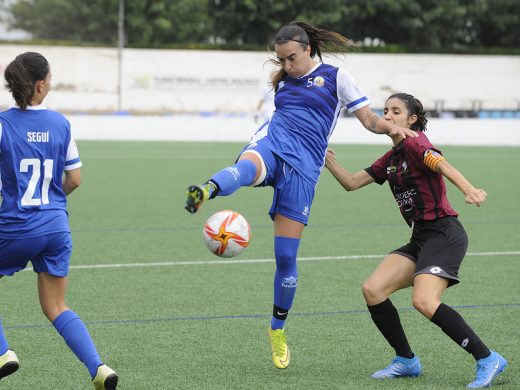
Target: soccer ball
227	233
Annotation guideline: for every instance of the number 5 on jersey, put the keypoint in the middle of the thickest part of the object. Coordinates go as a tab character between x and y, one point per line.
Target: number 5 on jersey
28	198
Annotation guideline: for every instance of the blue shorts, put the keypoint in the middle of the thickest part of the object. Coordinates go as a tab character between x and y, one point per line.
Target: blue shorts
50	253
293	195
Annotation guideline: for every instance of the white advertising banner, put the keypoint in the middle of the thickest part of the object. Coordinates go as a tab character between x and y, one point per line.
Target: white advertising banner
194	81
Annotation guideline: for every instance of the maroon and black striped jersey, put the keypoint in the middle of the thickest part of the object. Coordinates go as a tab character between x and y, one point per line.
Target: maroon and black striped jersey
420	192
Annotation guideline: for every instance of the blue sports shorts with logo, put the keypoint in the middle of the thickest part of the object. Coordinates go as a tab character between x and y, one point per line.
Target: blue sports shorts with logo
293	195
437	247
49	253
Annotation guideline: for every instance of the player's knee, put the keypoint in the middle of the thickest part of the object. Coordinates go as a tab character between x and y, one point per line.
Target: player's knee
286	250
286	263
53	310
49	312
371	291
424	304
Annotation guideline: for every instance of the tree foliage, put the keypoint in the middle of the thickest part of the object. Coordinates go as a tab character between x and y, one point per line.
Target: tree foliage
74	20
155	23
415	25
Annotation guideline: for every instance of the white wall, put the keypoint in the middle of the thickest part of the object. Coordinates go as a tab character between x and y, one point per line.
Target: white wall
155	81
227	128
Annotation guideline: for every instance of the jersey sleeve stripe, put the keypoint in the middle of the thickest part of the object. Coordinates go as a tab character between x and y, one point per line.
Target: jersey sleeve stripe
70	167
72	160
356	102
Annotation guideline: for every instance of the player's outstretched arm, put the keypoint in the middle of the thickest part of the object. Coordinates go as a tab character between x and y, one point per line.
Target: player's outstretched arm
349	181
374	123
472	195
72	180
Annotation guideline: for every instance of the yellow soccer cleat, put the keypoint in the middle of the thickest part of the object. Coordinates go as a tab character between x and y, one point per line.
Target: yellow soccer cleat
105	379
279	350
8	363
196	195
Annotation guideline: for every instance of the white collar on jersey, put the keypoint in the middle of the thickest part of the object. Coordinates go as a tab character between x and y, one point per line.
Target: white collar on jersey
312	70
38	107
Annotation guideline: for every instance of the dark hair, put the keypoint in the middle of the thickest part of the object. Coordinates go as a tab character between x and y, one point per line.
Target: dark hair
305	34
414	107
22	74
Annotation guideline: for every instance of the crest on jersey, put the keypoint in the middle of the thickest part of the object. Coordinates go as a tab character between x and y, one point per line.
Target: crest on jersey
391	169
319	81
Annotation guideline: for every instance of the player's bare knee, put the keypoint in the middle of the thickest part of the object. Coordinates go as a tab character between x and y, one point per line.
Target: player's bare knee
424	305
52	310
371	292
49	313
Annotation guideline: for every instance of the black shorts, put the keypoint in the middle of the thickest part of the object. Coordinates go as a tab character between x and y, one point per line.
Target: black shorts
437	247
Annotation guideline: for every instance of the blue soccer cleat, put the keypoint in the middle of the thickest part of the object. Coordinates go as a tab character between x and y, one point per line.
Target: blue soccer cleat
400	367
487	370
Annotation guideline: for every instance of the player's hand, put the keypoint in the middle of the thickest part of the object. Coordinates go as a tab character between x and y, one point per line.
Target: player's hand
330	157
475	196
401	131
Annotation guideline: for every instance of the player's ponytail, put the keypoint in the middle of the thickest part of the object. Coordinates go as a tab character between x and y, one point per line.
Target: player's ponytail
414	107
307	35
22	74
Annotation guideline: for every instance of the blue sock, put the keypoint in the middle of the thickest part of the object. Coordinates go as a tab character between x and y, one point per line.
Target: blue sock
3	341
232	178
285	278
76	335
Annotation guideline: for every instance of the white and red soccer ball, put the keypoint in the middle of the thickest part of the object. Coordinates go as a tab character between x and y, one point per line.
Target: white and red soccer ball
227	233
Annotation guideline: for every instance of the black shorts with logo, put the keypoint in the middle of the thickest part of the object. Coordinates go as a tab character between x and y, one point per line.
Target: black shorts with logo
437	247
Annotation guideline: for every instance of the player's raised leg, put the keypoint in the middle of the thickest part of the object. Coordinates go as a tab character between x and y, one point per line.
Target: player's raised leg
197	194
225	182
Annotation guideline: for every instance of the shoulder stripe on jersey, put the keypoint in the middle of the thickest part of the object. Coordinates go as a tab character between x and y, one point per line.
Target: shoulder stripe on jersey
356	102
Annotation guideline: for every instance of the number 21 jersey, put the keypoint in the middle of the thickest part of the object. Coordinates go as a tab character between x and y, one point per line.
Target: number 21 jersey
36	147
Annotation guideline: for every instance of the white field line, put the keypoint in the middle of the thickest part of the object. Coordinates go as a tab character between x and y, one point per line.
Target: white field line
254	261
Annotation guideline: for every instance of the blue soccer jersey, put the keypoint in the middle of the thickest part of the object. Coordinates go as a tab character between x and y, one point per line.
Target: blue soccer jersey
307	109
36	147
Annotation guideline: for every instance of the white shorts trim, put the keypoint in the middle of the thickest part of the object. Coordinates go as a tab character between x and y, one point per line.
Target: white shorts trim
263	172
